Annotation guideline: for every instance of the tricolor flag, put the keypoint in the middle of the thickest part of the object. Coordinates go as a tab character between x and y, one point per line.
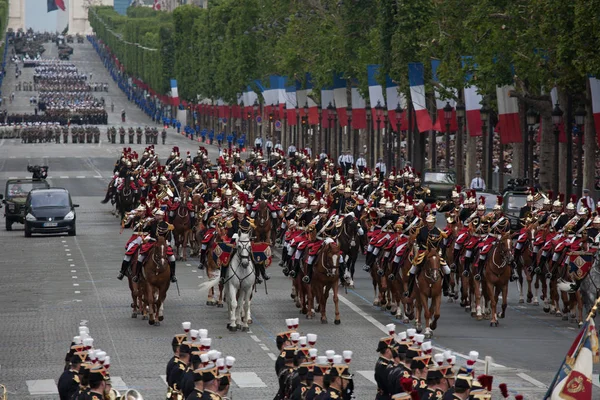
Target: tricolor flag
416	78
174	93
440	122
249	98
595	89
54	5
395	98
290	103
156	5
303	97
281	94
509	126
359	110
341	99
326	100
375	92
573	381
472	105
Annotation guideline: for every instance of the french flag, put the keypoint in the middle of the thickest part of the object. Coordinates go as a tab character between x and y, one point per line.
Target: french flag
376	93
416	78
249	98
290	103
303	97
326	100
174	93
509	126
269	96
395	98
440	122
472	105
281	94
595	89
359	110
341	99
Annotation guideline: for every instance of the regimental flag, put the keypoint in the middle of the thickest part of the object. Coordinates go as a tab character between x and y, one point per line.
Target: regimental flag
416	78
573	381
375	92
580	263
395	99
291	102
509	126
54	5
221	254
261	253
359	110
303	98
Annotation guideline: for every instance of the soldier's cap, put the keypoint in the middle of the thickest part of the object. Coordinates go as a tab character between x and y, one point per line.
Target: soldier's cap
178	339
341	370
77	347
302	353
198	375
463	381
434	373
196	357
385	343
448	372
413	352
195	347
402	347
79	357
320	369
288	352
420	362
282	337
98	374
305	368
185	348
210	373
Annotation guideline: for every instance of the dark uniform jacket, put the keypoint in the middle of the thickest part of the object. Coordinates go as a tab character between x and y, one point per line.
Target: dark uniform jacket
174	379
195	395
68	384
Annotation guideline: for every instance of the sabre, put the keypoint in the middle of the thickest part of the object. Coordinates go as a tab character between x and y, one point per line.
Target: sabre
177	284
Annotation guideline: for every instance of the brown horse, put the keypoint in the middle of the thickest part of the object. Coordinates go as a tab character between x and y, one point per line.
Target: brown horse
326	277
496	275
263	223
429	284
157	273
183	228
349	242
137	294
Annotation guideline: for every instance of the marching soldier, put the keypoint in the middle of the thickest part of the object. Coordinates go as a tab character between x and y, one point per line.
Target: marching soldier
69	381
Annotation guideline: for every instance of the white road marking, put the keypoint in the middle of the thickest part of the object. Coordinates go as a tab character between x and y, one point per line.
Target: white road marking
247	380
64	241
73	270
118	383
77	292
164	379
531	380
74	277
194	270
13	177
368	375
382	328
71	265
68	254
42	387
80	177
78	300
595	380
264	347
76	284
272	356
70	259
64	177
255	338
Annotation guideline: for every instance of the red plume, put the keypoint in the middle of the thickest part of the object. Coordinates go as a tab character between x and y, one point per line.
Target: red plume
318	196
573	198
519	397
561	197
503	390
458	188
406	384
550	194
414	395
500	198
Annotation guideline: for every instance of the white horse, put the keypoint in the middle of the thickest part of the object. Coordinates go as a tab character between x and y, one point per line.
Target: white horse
239	282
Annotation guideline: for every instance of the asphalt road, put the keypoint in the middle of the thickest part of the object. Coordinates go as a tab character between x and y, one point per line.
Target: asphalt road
52	283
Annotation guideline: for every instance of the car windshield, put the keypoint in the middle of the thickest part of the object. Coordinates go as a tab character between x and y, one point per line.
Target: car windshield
22	189
50	199
439	177
490	199
516	202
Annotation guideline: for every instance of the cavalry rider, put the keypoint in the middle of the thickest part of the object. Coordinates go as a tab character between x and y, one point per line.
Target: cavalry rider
562	225
428	236
528	208
263	192
591	235
304	217
133	220
320	229
381	233
468	236
176	203
209	221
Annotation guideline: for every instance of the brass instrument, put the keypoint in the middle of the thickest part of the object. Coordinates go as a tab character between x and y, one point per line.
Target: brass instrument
131	394
4	395
114	394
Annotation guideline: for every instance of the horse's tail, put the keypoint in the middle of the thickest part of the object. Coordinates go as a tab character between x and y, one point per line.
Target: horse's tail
208	285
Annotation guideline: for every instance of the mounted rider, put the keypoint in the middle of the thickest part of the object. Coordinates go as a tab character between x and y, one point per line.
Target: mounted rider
468	237
209	221
320	229
429	236
134	220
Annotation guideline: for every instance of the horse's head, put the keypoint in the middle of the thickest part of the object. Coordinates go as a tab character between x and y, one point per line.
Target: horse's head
505	246
331	253
351	223
243	244
432	265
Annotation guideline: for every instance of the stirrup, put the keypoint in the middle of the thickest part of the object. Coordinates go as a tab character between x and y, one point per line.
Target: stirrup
366	268
173	279
465	273
477	277
306	279
121	276
135	279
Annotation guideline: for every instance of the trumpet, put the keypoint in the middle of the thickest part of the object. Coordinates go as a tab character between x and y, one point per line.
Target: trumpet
131	394
4	395
114	394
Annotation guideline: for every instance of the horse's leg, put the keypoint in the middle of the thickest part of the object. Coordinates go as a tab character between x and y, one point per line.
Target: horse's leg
419	306
323	296
375	284
231	306
220	299
160	304
310	300
427	313
504	300
150	302
493	294
436	305
536	288
336	303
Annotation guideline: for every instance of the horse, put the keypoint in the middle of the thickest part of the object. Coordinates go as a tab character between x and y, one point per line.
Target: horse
157	276
496	275
125	200
590	286
348	241
325	277
137	294
183	228
239	282
429	285
263	223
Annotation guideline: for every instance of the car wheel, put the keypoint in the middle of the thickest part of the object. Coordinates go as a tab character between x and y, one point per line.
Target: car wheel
73	232
8	224
27	231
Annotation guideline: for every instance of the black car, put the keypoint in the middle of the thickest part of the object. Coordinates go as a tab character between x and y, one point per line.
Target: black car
50	211
440	182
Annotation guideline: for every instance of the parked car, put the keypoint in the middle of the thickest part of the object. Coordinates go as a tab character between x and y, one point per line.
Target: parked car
50	211
14	198
511	206
441	183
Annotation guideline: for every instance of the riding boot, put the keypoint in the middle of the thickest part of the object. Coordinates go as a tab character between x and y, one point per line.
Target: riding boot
411	283
202	259
139	267
173	277
479	265
106	198
575	286
445	284
295	267
284	257
392	276
308	276
456	259
513	272
124	266
263	272
223	273
467	267
368	261
342	272
538	266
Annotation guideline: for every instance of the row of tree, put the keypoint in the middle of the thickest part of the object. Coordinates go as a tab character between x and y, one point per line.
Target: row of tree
216	52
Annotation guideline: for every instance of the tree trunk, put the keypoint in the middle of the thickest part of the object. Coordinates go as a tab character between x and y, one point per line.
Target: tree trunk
590	146
517	160
471	153
562	175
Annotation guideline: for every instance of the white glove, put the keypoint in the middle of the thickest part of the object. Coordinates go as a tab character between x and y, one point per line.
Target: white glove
361	231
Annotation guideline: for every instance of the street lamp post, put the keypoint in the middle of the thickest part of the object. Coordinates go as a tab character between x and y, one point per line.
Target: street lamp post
349	131
532	117
447	117
489	150
398	113
283	139
557	118
332	120
460	170
580	115
255	108
379	114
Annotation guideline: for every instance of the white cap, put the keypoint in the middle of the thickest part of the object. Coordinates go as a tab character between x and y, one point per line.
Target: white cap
337	359
402	336
229	361
473	355
419	338
202	333
439	358
347	354
302	341
330	354
295	336
313	352
186	325
206	342
322	360
312	337
220	362
194	333
391	328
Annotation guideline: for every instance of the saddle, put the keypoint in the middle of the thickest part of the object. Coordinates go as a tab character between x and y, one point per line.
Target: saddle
472	242
486	245
401	247
208	235
463	236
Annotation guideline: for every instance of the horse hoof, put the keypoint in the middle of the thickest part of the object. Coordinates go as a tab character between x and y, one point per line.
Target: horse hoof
536	303
473	314
501	315
133	315
157	323
405	321
433	326
232	328
565	317
546	309
144	317
323	321
151	322
245	329
428	335
479	317
219	305
293	296
308	316
521	301
388	307
160	317
298	305
337	322
250	321
494	324
419	329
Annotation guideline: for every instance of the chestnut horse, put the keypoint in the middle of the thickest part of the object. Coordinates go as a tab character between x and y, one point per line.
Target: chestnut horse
183	228
263	223
429	283
157	276
136	288
324	278
348	240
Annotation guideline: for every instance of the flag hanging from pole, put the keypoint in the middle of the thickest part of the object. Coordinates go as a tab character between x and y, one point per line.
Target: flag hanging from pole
573	381
54	5
416	78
